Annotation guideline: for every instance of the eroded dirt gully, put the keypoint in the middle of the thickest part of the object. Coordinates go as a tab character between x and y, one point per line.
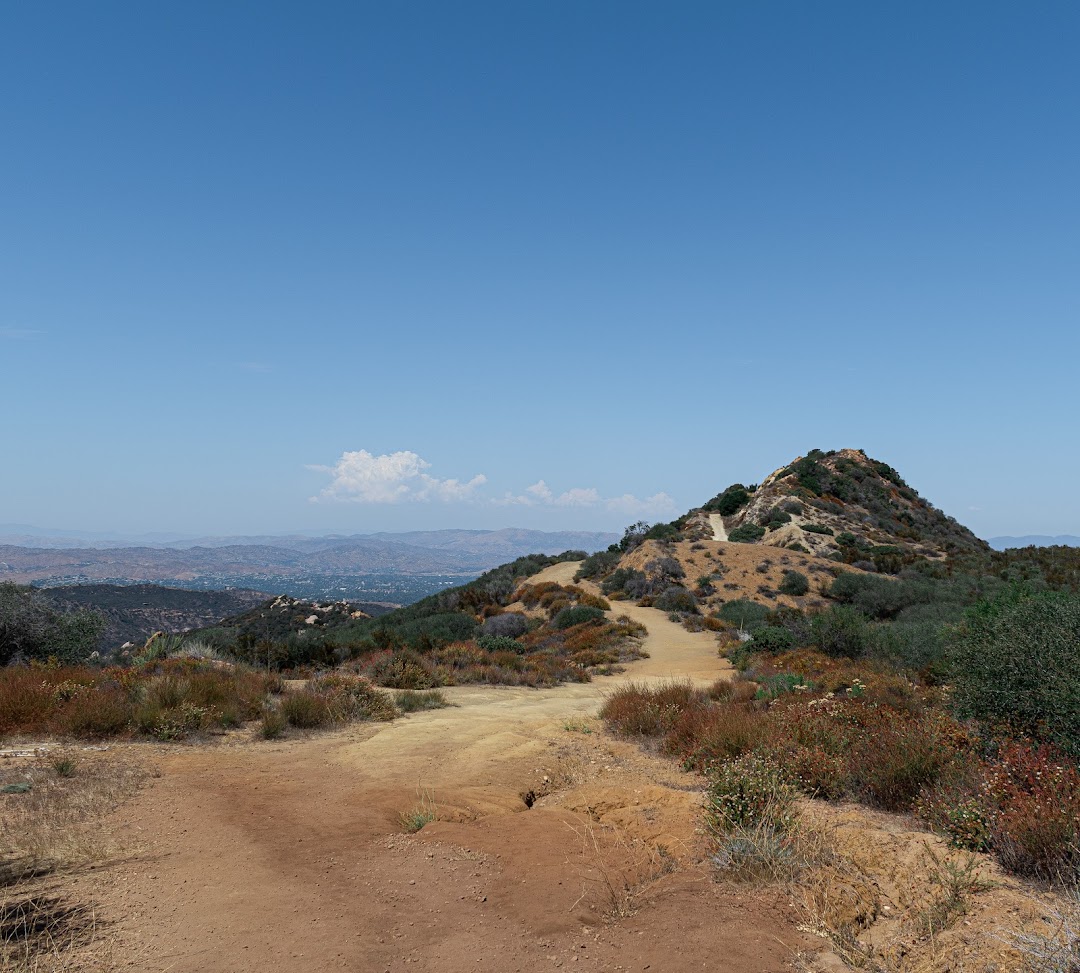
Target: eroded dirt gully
290	855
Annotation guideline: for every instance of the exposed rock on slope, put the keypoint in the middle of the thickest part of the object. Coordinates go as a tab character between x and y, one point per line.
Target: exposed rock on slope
840	504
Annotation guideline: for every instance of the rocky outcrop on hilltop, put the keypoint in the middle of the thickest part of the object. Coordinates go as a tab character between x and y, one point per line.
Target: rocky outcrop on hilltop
840	504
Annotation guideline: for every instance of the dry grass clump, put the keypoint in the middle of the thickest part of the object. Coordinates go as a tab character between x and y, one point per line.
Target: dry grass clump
335	698
38	929
422	813
1056	947
48	826
413	701
173	699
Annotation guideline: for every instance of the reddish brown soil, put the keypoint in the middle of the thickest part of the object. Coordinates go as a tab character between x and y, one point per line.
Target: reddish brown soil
291	855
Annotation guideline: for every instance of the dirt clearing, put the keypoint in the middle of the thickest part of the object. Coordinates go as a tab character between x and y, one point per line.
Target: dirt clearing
553	845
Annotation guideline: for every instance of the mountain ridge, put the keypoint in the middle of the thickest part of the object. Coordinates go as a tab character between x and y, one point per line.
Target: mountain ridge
459	552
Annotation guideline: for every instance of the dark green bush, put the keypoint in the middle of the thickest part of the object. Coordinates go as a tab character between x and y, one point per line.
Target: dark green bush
746	534
1015	662
747	615
732	499
841	631
773	518
772	638
817	529
664	532
676	599
30	628
598	564
794	583
619	579
577	615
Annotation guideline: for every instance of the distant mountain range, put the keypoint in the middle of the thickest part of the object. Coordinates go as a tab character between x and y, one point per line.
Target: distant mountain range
1034	540
446	552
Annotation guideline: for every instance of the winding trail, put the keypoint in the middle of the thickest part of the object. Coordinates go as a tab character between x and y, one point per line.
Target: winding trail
718	528
289	855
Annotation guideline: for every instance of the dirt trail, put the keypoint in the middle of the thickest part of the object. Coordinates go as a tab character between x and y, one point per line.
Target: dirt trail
290	856
718	528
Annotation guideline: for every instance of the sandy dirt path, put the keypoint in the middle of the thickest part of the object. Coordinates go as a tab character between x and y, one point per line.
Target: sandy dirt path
290	855
718	529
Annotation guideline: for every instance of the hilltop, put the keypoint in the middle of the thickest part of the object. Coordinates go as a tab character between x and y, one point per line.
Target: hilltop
839	504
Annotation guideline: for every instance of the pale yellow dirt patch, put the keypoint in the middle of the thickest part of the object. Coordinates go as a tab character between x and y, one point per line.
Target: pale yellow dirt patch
752	571
716	522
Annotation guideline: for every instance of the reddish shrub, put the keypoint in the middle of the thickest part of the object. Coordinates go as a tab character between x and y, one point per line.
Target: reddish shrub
705	735
96	712
1034	794
634	710
26	700
900	754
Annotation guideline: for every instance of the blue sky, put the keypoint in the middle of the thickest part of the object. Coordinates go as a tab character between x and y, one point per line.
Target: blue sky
365	266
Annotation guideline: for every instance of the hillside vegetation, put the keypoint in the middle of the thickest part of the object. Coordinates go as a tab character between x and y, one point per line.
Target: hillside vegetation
894	660
839	504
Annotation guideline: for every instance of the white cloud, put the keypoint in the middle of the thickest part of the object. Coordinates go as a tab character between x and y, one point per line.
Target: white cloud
658	503
540	492
361	477
541	495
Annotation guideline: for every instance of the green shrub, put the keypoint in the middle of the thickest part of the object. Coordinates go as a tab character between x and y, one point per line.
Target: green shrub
676	599
599	564
1015	663
499	643
31	628
817	529
774	517
747	615
772	638
731	500
772	687
746	534
841	631
620	579
577	615
794	583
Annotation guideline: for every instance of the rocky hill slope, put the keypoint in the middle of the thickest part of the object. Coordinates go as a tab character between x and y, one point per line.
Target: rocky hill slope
134	612
841	504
